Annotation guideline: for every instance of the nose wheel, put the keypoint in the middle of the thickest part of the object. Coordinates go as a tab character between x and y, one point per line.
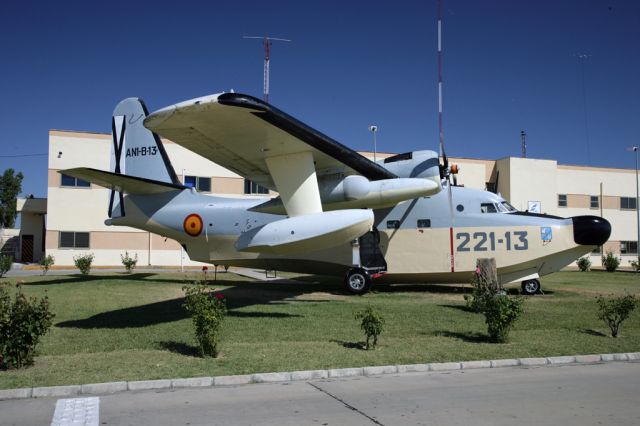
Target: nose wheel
357	281
531	287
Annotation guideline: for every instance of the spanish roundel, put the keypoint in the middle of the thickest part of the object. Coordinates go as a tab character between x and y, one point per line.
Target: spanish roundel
193	225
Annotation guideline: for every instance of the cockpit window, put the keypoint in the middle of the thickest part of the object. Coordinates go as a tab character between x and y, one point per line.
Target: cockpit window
502	207
508	206
488	208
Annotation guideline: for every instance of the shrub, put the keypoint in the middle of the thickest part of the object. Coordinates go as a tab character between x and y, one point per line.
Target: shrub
372	324
584	264
129	262
83	263
482	290
635	265
5	264
207	312
500	313
22	322
615	310
46	263
610	262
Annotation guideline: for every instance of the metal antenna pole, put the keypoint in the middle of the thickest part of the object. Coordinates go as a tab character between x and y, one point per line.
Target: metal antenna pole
635	149
266	43
583	57
523	138
440	132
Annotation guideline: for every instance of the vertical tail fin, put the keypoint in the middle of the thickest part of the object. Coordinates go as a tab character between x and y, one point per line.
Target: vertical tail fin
136	151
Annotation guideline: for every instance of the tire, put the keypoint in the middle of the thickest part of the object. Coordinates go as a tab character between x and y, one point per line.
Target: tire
357	281
531	287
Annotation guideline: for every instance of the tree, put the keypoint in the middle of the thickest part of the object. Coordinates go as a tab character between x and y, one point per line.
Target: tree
10	187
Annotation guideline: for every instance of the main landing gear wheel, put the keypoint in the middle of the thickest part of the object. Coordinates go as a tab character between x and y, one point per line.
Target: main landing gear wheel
357	281
530	287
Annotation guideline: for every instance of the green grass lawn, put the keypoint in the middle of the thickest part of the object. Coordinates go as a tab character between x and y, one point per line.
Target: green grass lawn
119	327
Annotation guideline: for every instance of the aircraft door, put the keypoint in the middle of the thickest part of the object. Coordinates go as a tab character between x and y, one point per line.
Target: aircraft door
371	257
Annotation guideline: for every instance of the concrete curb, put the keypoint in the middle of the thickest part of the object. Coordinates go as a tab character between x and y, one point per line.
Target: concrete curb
223	381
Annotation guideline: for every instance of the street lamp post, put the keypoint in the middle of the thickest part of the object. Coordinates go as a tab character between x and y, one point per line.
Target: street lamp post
373	129
635	149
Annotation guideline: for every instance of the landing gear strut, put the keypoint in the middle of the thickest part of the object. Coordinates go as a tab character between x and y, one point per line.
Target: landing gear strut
357	281
531	287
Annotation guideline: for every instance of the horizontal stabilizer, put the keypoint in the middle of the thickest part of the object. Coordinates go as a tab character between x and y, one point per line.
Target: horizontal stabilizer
122	183
307	233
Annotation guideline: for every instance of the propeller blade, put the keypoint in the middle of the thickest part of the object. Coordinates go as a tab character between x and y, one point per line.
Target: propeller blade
444	167
451	213
451	224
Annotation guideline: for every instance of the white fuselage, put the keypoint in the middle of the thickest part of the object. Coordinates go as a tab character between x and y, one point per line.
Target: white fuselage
419	239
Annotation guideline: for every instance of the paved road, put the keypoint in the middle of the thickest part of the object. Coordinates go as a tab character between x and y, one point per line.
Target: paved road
602	394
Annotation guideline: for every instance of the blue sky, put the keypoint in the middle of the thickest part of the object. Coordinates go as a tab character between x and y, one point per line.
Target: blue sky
508	65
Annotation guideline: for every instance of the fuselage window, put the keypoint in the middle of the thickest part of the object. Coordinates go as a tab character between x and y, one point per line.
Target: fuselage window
424	223
488	208
460	207
393	224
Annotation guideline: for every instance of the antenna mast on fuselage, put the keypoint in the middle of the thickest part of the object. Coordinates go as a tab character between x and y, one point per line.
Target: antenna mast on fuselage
440	131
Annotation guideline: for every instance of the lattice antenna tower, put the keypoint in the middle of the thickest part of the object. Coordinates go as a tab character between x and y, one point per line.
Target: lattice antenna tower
266	43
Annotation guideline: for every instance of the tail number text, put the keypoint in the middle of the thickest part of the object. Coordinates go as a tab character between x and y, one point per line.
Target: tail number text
141	151
487	241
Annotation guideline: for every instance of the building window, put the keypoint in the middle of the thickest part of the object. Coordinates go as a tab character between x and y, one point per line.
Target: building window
597	250
393	224
250	187
424	223
628	247
627	203
67	180
74	240
202	184
594	202
562	200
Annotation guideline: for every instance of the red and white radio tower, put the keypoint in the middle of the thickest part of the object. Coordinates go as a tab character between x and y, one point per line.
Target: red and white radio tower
266	42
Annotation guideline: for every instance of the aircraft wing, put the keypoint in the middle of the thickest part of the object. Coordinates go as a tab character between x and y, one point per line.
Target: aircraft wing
241	133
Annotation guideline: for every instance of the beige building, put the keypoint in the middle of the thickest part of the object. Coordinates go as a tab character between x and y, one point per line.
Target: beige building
76	210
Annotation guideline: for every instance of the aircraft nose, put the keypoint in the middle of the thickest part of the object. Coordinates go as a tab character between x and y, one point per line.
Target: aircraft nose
590	230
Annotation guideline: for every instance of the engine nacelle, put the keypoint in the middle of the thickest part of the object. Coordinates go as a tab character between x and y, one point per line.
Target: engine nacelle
416	164
352	192
358	191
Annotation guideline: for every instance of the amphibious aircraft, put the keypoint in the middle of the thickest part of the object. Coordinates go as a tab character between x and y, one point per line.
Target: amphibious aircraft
337	212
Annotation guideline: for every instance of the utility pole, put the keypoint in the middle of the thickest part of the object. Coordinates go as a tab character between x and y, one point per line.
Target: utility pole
266	43
635	149
523	138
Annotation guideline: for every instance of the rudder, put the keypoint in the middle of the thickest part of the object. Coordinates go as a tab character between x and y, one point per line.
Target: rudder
136	151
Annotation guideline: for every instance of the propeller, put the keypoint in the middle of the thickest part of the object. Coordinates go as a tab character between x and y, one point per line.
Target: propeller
447	174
